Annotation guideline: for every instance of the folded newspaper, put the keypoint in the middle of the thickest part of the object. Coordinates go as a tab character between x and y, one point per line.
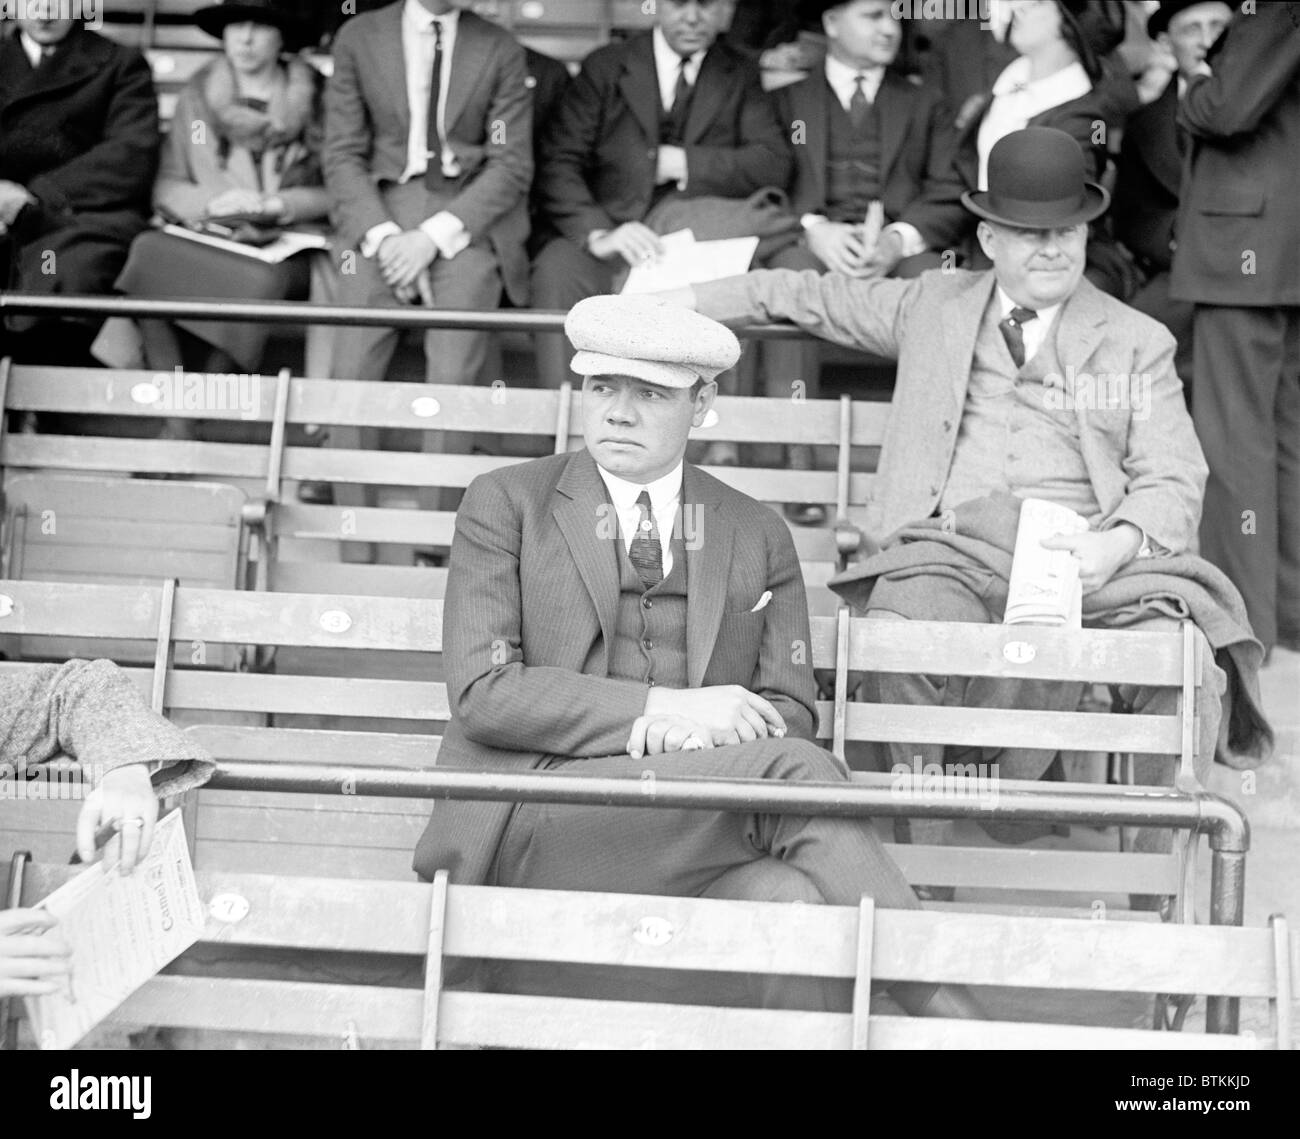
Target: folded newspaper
122	930
1044	588
281	249
685	261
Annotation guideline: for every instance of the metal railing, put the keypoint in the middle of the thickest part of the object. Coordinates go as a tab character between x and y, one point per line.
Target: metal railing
296	312
1221	820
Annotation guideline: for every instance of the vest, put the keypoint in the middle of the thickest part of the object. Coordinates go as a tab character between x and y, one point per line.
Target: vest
1010	438
650	630
852	162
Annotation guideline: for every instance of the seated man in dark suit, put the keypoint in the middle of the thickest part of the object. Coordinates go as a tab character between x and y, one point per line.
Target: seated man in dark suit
1150	168
616	611
428	175
673	112
78	152
870	141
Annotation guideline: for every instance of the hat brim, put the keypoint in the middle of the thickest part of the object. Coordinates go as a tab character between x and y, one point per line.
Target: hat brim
659	372
1039	215
216	19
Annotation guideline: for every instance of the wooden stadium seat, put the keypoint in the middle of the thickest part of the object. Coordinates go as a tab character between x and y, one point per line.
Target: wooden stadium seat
426	925
1095	878
112	530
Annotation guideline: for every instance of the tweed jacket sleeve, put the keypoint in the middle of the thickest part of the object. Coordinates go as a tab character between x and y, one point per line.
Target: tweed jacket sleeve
90	711
870	315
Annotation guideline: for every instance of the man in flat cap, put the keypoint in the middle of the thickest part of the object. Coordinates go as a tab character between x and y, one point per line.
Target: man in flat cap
616	611
1024	381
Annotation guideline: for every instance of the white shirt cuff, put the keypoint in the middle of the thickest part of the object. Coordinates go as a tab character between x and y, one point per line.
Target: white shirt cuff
912	241
447	232
375	235
810	220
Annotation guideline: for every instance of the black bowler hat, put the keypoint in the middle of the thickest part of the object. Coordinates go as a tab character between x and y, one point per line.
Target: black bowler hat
215	19
1158	21
1037	181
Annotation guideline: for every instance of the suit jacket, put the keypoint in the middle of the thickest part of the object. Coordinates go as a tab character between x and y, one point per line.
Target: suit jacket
91	712
1239	189
1143	459
599	152
1145	204
82	135
489	122
532	598
549	79
915	146
964	61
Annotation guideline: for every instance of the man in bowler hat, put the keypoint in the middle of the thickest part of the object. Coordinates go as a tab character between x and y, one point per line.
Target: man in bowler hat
1022	381
617	611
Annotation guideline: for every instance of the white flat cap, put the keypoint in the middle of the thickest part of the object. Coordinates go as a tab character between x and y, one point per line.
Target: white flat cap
636	336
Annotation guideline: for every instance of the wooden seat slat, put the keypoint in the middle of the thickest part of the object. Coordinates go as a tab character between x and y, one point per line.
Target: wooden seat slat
1063	953
299	745
366	524
899	1032
315	824
1082	871
1114	656
1006	727
308	695
415	582
498	1020
693	933
363	1012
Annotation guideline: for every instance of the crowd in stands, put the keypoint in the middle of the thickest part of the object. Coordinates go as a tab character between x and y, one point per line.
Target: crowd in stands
453	168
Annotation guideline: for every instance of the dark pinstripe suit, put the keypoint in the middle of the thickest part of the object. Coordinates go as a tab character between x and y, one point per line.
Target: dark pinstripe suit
531	602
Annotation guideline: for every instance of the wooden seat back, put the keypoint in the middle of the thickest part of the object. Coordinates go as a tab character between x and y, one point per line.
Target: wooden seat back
65	528
430	924
296	546
361	708
1097	879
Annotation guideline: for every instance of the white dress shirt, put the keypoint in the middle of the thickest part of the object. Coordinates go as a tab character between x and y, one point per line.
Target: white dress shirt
443	229
1017	99
34	51
843	81
665	501
1034	331
667	64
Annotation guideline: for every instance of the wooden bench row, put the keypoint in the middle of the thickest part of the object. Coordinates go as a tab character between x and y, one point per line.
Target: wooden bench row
297	547
354	704
431	926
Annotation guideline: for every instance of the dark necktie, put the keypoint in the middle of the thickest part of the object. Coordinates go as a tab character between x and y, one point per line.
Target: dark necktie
433	177
1014	335
645	551
681	106
859	105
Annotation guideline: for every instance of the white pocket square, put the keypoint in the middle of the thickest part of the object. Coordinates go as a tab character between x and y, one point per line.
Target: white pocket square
762	601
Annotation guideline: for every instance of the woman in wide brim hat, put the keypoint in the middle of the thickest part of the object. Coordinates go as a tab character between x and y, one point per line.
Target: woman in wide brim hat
217	17
1065	77
248	158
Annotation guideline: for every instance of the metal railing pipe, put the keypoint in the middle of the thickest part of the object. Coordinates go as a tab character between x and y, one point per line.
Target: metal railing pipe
298	312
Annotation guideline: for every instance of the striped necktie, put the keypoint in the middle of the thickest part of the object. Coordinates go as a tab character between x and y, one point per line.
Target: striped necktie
646	553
